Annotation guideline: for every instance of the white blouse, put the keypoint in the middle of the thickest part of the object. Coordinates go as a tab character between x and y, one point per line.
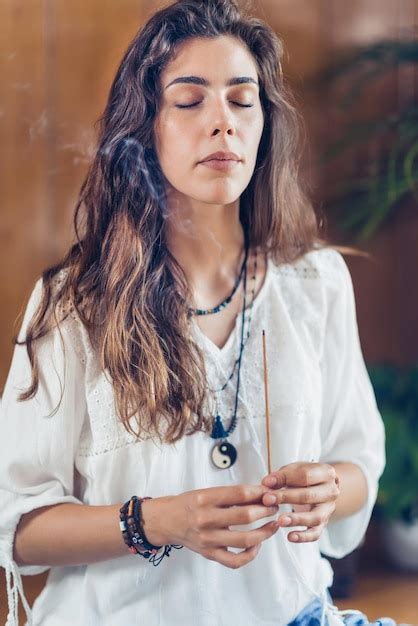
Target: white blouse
322	408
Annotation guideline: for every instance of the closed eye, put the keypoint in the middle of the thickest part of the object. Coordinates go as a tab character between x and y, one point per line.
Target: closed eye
188	106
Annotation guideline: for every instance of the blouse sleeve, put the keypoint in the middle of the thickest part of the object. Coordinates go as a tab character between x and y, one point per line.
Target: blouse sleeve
37	446
351	426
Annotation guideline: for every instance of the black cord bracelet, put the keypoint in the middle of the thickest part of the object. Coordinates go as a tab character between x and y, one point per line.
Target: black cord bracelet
133	534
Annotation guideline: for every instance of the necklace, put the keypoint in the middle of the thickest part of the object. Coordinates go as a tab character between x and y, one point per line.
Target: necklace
213	391
227	300
224	454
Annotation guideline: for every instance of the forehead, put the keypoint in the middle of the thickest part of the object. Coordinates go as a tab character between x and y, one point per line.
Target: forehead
214	58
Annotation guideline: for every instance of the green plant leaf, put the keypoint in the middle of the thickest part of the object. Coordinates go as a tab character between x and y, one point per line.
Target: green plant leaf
408	168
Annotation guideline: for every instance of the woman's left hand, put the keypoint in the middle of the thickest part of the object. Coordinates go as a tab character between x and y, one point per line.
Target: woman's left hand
312	489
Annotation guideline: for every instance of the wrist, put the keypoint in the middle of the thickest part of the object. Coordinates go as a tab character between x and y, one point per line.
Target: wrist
154	521
353	490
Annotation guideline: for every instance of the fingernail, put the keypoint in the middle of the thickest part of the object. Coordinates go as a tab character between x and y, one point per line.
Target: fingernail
294	537
286	521
270	481
270	498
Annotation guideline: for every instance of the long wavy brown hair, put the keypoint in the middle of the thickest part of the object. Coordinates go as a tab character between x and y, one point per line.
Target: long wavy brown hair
127	289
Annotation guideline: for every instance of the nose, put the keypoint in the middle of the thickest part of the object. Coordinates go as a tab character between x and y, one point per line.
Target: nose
224	129
223	122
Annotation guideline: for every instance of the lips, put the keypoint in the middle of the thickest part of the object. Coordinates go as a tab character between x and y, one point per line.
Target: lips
221	156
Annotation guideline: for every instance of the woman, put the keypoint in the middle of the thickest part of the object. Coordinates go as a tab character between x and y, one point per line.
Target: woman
138	370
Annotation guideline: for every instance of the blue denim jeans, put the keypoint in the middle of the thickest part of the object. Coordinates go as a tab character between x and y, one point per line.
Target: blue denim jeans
311	616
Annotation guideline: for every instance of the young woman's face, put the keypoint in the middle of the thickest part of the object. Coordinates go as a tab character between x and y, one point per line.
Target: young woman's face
227	118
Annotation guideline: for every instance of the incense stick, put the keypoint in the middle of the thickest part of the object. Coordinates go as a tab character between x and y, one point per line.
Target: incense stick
266	398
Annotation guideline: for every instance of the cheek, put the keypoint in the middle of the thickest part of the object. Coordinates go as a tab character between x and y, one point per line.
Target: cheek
177	155
176	148
258	131
252	137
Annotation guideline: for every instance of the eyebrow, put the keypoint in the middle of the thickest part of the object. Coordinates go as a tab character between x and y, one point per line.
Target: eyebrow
198	80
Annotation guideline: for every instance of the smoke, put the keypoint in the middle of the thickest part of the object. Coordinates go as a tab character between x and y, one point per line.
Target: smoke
140	163
39	127
138	166
21	86
83	149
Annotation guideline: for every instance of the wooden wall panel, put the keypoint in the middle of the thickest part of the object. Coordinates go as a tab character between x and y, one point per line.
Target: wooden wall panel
23	225
85	45
57	61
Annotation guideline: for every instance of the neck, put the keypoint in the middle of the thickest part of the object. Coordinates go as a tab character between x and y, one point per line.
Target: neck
207	241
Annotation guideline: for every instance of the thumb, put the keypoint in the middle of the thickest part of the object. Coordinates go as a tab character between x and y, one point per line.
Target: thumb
275	480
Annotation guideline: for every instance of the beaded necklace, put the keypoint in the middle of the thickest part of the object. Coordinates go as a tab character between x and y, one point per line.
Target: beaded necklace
213	391
224	454
227	300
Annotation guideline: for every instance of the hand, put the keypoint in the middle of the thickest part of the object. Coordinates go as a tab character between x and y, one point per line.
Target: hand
200	520
312	489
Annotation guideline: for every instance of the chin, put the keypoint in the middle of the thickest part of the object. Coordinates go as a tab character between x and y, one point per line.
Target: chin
219	200
220	193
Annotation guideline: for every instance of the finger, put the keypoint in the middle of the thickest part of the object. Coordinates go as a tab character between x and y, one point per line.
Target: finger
234	515
300	475
302	507
312	534
320	514
231	559
235	494
303	495
238	538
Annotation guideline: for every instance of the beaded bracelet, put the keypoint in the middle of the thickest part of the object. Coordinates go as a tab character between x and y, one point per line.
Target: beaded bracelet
133	532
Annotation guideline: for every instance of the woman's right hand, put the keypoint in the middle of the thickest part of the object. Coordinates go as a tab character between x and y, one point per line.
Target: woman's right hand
200	520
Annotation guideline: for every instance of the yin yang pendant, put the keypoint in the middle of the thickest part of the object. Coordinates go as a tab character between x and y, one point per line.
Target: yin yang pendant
224	455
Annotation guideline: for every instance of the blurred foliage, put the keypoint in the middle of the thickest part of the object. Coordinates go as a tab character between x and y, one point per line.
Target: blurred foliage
396	392
364	202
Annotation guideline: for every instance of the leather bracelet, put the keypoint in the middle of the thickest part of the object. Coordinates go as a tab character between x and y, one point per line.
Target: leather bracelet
139	521
132	533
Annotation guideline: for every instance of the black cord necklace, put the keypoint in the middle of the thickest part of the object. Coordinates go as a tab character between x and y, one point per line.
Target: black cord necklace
214	391
224	454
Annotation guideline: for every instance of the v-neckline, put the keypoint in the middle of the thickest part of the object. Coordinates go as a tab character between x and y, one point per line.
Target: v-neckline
232	335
